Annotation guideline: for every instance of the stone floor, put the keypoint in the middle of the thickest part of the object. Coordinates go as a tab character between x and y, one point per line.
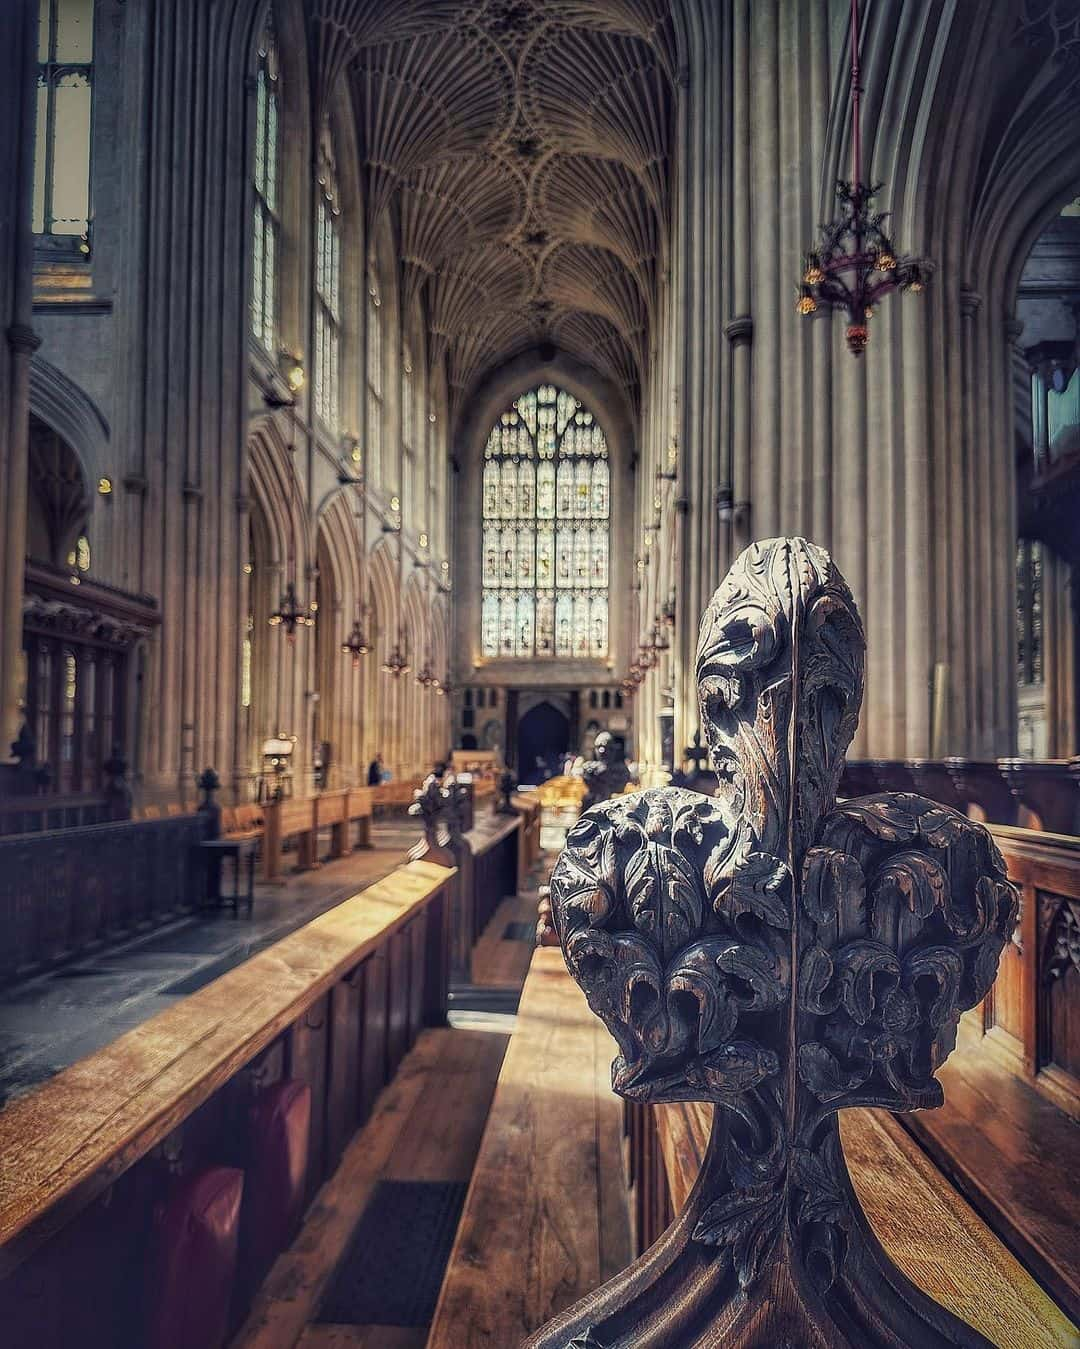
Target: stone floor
52	1021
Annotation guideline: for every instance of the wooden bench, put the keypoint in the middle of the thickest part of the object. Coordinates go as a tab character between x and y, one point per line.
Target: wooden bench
302	818
84	1158
393	795
242	822
546	1219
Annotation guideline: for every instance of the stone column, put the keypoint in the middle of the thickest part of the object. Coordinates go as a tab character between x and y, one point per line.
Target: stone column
17	83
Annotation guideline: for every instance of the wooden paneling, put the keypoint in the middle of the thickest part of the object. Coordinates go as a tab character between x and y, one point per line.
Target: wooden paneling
1033	1013
64	891
67	1141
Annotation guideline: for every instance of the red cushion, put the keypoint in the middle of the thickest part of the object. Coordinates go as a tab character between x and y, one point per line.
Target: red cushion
193	1264
280	1131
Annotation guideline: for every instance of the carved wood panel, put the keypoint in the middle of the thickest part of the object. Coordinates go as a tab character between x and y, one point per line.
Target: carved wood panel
781	956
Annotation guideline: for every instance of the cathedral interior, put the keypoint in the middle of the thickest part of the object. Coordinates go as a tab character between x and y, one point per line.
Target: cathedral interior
505	495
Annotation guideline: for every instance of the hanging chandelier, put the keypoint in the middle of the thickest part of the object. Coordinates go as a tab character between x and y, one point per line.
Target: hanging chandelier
290	614
856	264
397	662
356	645
425	678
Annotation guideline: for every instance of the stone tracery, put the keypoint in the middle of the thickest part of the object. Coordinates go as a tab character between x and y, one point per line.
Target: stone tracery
526	147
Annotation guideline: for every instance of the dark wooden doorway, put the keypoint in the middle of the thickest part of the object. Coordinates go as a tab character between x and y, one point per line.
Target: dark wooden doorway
544	735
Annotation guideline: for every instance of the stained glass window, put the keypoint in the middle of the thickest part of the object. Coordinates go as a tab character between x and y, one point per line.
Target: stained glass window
544	564
374	377
62	152
265	222
327	286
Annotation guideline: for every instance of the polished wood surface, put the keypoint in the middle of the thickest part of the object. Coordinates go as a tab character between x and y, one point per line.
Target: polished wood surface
925	1226
65	1142
1014	1155
427	1125
546	1218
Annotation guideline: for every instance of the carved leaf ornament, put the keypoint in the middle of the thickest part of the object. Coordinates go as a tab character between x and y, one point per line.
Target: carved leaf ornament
782	956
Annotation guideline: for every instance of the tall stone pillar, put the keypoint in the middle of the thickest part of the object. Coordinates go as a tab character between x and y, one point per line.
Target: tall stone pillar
17	99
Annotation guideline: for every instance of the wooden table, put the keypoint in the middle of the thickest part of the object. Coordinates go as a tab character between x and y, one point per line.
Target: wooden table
241	850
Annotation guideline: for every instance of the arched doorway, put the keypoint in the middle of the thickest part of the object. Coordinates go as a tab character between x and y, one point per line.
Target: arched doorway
544	736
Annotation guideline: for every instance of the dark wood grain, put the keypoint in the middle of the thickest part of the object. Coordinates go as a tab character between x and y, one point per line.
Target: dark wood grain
782	956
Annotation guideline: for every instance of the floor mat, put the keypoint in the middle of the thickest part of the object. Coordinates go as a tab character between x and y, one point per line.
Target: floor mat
392	1271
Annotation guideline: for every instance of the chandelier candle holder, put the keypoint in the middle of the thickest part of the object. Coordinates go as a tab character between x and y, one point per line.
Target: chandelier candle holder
397	662
356	644
856	264
291	614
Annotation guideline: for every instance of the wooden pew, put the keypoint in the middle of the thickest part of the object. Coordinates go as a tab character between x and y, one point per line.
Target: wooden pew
547	1217
84	1158
527	1244
303	817
528	807
1007	1133
495	844
390	796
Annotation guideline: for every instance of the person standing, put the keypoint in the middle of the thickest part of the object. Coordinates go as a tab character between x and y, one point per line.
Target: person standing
375	771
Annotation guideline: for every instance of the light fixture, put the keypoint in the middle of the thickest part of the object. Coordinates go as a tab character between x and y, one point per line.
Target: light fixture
856	264
104	486
356	645
397	662
291	614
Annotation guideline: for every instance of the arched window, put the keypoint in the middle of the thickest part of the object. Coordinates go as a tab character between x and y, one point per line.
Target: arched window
327	286
266	222
409	477
62	153
546	489
374	375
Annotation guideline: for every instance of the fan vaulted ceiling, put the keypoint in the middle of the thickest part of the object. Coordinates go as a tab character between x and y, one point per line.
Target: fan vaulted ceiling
524	148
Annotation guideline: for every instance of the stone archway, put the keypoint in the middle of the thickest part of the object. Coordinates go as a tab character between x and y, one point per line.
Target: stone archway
543	734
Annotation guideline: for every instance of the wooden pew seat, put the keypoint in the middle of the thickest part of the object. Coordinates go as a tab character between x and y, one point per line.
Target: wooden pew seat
546	1219
242	822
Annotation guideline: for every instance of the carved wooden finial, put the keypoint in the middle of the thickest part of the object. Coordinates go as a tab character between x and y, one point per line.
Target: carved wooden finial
781	956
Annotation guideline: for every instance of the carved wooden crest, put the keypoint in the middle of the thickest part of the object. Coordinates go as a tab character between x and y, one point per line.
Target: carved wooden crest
782	956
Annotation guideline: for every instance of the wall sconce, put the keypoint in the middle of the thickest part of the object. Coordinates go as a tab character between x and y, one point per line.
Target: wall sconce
104	486
728	510
291	365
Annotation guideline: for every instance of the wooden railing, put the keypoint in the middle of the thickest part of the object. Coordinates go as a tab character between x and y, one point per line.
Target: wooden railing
65	891
1033	793
160	1176
34	814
